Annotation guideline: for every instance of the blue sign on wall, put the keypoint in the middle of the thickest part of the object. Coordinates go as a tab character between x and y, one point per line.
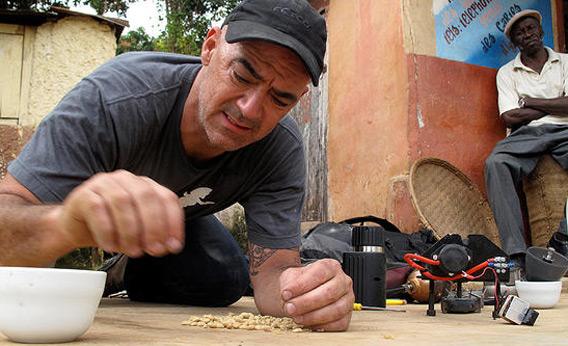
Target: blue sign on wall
472	30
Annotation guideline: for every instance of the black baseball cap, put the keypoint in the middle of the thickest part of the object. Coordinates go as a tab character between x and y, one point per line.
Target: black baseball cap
294	24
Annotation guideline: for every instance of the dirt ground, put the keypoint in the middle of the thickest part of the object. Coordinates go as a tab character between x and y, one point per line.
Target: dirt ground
121	322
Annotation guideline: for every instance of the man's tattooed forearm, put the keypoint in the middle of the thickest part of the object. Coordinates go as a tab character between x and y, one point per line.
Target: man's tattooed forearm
257	256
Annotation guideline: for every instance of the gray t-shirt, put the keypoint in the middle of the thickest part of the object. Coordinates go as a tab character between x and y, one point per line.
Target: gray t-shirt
127	114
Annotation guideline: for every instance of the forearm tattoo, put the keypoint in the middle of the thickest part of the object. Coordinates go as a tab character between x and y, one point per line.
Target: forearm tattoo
258	255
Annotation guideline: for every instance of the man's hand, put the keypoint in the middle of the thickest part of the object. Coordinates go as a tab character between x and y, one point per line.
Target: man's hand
521	116
122	212
319	296
557	106
535	108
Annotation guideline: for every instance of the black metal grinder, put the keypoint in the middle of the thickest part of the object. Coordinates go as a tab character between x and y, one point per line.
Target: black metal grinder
366	265
453	259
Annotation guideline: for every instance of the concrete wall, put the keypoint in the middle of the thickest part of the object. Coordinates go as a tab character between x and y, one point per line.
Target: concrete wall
64	52
391	102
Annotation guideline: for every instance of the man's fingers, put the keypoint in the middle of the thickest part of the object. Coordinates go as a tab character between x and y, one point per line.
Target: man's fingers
326	294
336	310
318	296
310	277
100	222
120	211
124	212
150	209
153	204
169	230
87	219
335	326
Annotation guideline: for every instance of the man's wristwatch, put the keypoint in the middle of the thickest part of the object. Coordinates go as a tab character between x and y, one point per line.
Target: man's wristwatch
522	102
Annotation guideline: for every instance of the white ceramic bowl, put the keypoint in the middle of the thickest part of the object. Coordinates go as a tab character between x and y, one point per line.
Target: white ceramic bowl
539	294
48	305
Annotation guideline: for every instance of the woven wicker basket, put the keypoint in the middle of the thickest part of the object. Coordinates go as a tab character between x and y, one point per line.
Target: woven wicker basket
447	201
546	189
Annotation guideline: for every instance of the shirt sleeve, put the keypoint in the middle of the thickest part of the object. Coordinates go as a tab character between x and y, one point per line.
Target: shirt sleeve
71	144
507	93
273	211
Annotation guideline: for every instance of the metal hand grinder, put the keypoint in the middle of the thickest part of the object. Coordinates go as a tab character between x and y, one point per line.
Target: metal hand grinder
366	266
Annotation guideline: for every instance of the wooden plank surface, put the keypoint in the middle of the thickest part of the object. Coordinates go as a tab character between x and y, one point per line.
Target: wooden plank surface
121	322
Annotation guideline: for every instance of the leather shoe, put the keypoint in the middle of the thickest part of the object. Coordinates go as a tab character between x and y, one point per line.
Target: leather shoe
559	242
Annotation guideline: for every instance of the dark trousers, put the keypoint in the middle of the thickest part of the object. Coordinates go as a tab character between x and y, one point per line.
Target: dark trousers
210	271
512	159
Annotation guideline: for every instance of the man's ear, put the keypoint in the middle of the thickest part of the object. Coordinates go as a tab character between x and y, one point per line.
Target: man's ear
211	42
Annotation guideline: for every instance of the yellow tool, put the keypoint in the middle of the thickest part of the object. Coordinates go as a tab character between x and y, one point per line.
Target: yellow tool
359	307
396	302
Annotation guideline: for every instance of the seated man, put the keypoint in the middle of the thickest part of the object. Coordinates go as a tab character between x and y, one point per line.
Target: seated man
533	103
138	156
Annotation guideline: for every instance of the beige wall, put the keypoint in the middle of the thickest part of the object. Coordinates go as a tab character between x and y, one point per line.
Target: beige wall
419	27
368	103
63	52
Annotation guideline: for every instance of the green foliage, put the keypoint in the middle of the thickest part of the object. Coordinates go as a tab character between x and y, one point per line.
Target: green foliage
137	40
188	22
104	6
187	25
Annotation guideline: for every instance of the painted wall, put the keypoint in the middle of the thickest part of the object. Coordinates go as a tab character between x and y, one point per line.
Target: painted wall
453	113
64	52
472	31
368	103
421	35
392	101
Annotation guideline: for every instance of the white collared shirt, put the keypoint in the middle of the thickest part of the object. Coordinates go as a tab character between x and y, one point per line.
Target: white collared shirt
515	80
